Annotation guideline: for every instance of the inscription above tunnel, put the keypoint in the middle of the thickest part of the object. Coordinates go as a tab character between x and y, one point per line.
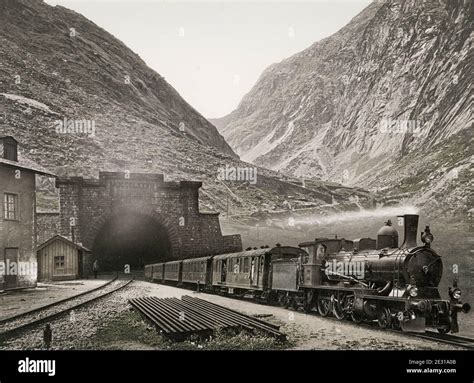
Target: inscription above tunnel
94	208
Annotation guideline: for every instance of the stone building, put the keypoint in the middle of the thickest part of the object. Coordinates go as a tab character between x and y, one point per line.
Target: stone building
18	263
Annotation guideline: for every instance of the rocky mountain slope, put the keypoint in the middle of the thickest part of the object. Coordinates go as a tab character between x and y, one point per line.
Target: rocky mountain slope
385	103
79	101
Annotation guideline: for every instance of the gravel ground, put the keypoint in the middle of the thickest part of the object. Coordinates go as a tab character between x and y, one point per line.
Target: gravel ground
111	324
19	301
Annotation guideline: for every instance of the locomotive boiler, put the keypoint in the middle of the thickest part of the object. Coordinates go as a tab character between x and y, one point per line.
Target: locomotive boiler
388	263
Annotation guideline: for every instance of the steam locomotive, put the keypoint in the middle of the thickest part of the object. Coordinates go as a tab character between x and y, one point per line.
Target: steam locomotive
363	279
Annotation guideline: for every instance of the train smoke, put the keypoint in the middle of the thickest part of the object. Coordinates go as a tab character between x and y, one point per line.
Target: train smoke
348	216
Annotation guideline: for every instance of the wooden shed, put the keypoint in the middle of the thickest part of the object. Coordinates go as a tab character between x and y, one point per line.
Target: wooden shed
60	259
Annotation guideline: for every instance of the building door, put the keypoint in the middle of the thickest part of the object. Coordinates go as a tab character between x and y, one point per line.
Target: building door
252	278
79	261
11	264
224	270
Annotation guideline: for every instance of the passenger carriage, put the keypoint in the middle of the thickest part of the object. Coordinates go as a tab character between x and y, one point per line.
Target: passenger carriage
155	272
173	271
158	272
252	270
197	271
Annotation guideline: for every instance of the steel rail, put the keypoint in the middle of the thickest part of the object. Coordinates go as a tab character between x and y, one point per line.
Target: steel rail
19	329
49	305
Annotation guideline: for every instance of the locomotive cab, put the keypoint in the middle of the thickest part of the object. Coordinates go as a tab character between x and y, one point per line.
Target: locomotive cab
318	251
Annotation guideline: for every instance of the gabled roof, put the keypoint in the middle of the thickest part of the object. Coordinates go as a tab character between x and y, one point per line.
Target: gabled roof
8	138
24	164
63	239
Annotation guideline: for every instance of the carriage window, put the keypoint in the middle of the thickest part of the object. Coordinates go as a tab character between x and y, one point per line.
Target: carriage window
202	266
246	265
321	251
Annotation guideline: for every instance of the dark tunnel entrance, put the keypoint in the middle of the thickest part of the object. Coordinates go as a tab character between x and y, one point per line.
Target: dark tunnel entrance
130	239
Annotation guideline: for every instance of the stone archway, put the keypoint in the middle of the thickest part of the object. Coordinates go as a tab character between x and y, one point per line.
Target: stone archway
132	237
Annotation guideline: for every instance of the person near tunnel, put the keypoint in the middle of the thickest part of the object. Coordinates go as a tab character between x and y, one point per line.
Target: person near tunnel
95	268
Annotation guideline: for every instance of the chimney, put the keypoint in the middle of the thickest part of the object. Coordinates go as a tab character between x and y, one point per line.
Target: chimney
410	229
9	148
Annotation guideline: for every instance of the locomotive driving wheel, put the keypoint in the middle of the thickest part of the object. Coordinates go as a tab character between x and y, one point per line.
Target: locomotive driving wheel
308	301
444	330
356	318
384	318
324	303
340	305
396	325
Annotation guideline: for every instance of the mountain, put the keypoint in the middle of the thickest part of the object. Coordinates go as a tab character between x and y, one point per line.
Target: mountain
385	103
58	54
79	101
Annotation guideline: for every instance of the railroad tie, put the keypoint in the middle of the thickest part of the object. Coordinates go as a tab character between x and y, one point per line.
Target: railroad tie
180	318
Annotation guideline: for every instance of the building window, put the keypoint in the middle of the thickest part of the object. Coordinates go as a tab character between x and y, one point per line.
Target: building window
59	262
10	206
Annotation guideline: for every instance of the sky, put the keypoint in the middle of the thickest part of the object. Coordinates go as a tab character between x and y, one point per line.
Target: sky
213	52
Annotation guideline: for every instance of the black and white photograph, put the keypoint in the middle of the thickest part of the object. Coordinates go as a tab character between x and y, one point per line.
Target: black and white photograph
292	178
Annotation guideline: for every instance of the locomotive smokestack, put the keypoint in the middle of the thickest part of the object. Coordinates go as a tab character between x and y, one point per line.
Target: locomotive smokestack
410	227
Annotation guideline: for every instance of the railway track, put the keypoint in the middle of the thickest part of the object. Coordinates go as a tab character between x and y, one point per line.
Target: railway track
30	312
453	340
14	326
449	339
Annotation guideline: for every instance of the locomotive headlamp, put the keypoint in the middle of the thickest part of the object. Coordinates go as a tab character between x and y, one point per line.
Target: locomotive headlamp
457	293
413	291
